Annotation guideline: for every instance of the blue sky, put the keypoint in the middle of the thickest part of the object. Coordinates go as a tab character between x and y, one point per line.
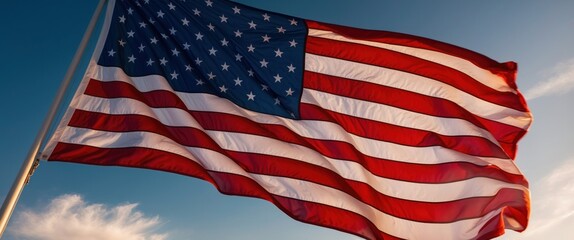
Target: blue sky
39	39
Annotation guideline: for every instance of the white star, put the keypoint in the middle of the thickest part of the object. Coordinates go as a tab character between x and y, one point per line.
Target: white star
223	18
289	92
186	46
198	61
252	25
224	67
293	22
188	68
175	52
263	63
122	19
141	47
277	78
223	89
266	17
264	87
111	53
265	38
150	62
211	75
236	10
172	31
196	12
185	22
250	48
291	68
131	33
212	51
160	14
174	75
281	30
131	59
278	53
146	1
199	82
209	3
130	11
238	33
122	43
162	61
251	96
211	27
224	42
164	36
143	24
153	40
277	101
250	72
238	81
151	20
198	36
293	43
238	57
171	6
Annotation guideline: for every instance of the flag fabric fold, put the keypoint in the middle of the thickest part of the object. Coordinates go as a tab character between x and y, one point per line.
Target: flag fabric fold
378	134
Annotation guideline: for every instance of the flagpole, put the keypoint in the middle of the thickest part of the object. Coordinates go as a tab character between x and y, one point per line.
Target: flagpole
31	161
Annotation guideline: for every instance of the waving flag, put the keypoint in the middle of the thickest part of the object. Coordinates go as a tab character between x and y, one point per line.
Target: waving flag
378	134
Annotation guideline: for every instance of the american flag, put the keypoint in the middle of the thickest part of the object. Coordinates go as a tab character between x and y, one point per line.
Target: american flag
378	134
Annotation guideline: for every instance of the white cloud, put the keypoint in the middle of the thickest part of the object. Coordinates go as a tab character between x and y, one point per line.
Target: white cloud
561	81
70	217
553	205
552	215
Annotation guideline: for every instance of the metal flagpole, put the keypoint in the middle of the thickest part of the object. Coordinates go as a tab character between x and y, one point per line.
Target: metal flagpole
31	161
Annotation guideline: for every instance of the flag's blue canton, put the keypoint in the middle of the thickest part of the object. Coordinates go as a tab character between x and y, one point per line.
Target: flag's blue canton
251	57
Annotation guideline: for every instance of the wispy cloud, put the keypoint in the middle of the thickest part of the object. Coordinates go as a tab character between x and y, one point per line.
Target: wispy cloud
552	203
70	217
561	81
552	214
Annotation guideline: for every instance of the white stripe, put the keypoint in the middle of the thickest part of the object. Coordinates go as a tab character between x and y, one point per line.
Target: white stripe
479	74
372	74
292	188
306	128
330	131
393	115
432	192
144	84
367	73
174	117
418	84
402	228
349	170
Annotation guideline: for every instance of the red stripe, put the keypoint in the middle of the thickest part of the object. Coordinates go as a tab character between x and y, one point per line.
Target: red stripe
443	212
422	173
495	227
280	166
414	65
417	103
471	145
118	89
333	149
307	212
506	70
420	211
239	185
361	127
